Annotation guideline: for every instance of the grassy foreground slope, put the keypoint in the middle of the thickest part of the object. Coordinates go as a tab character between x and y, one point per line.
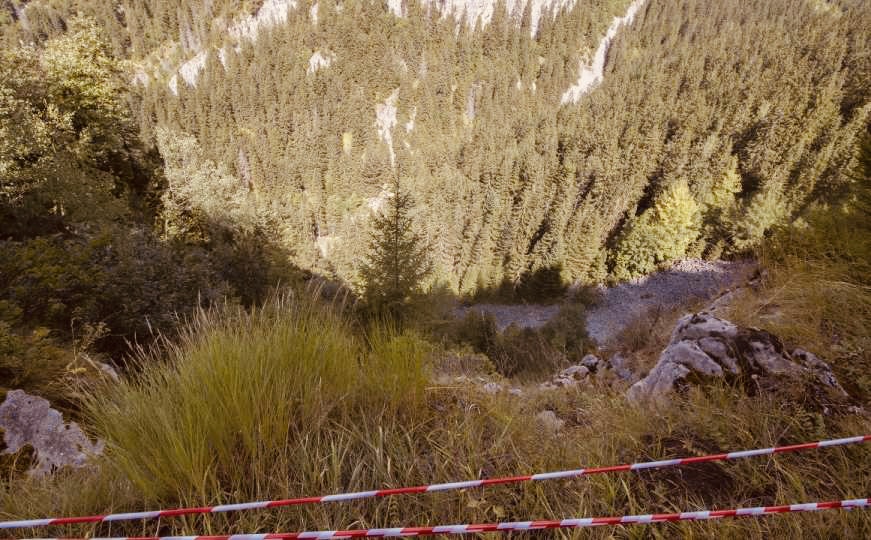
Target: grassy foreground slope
290	400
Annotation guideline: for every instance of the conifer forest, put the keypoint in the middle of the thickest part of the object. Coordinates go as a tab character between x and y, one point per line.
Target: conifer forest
210	208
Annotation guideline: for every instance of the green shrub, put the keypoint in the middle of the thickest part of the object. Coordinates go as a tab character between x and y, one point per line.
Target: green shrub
36	361
33	362
125	279
566	332
477	329
526	352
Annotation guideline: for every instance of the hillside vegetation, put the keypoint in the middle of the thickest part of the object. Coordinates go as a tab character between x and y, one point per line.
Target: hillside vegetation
264	214
289	400
714	123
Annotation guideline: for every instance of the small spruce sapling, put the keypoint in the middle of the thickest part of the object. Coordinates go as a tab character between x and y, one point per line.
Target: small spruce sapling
397	264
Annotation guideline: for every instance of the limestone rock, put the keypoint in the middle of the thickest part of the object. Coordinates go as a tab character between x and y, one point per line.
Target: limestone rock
591	367
30	420
618	364
570	376
704	347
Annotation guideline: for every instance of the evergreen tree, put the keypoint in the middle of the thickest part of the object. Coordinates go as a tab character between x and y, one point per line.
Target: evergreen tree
397	263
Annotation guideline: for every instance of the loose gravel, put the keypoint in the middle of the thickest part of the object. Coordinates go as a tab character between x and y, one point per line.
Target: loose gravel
686	283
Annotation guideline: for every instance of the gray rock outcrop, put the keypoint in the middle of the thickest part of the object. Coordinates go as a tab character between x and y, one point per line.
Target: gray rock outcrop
704	348
30	420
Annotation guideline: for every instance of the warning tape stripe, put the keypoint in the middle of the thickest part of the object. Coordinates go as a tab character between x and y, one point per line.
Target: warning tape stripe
575	473
471	528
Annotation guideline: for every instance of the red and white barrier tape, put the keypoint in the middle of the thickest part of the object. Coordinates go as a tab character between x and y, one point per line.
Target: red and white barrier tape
432	487
572	523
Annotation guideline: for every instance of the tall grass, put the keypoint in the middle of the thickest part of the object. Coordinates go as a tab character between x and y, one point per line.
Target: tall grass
239	389
815	291
290	401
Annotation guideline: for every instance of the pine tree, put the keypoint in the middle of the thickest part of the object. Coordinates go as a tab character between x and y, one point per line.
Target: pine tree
397	263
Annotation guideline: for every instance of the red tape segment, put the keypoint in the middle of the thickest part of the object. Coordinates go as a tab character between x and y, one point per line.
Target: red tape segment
575	473
572	523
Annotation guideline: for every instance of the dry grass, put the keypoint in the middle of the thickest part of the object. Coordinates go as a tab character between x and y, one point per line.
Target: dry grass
642	340
815	293
289	401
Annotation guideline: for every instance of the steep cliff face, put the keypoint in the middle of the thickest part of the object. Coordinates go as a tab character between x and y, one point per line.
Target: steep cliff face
592	74
481	12
474	13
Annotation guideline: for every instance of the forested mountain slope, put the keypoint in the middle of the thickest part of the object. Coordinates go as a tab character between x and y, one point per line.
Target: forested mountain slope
177	176
713	122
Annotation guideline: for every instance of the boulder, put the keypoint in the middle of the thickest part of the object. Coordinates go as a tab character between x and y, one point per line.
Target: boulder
591	367
30	420
570	376
705	348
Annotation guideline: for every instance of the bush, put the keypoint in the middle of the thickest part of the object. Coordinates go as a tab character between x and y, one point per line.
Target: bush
526	352
124	279
567	332
32	362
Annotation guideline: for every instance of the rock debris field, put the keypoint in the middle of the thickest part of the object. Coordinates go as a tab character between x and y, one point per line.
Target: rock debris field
684	284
